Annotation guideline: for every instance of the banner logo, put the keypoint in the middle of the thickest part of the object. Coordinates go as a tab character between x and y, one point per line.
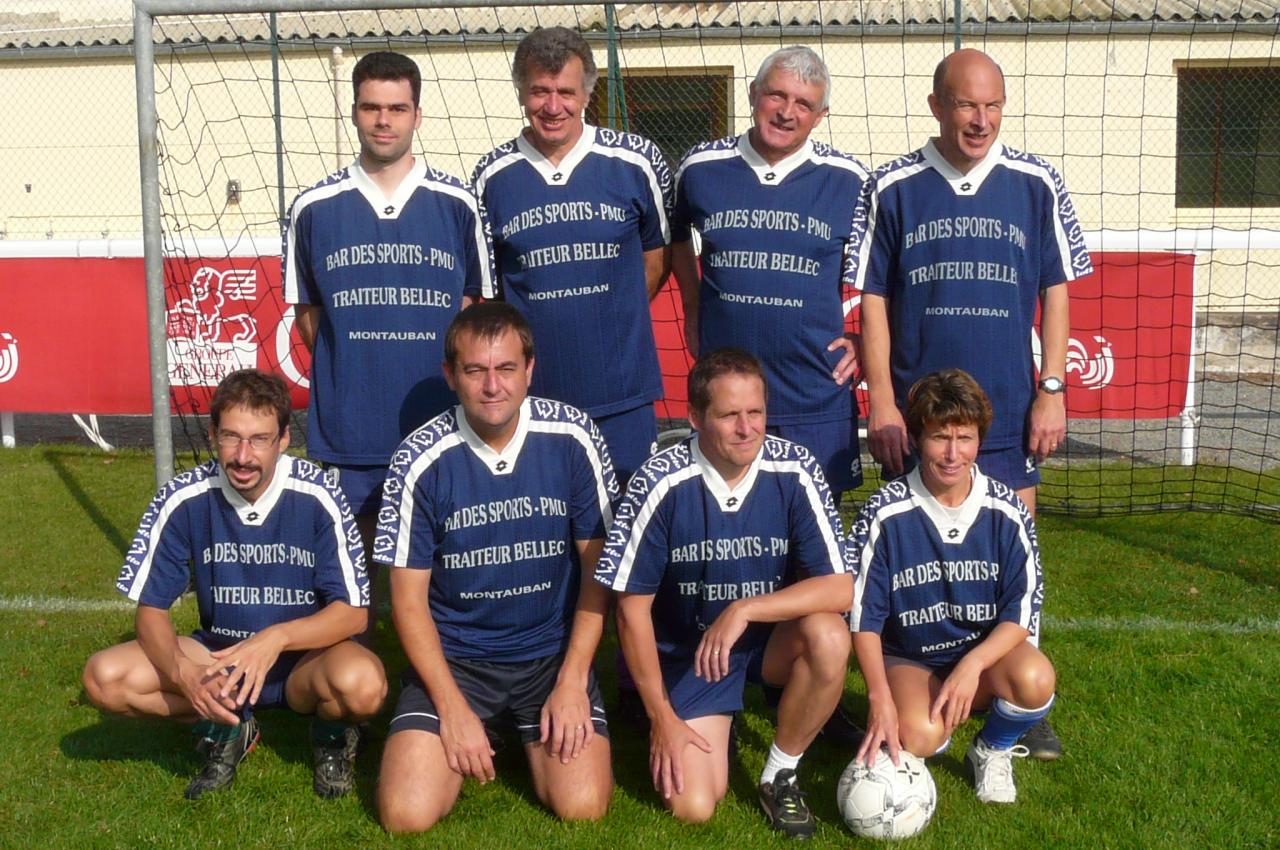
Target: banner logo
8	357
212	333
1096	370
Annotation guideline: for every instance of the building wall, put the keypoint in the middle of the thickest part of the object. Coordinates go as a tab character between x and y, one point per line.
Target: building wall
1102	109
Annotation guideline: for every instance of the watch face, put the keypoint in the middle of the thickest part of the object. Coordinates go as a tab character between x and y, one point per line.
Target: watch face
1052	385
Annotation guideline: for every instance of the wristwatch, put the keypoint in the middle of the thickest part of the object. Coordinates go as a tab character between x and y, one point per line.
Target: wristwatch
1052	385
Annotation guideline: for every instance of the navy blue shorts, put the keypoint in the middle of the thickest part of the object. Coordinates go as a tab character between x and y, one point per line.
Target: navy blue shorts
692	696
1013	467
272	694
362	485
510	694
834	445
632	436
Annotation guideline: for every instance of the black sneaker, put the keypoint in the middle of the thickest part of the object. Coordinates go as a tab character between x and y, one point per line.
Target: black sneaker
842	730
1040	741
334	771
785	805
221	759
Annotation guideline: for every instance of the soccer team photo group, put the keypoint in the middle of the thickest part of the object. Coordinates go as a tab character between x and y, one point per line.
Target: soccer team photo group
483	565
472	430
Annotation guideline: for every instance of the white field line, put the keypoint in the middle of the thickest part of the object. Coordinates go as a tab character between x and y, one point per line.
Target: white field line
1247	626
1146	623
64	604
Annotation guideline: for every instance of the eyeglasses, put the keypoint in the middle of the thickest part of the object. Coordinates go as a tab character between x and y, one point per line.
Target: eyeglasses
257	442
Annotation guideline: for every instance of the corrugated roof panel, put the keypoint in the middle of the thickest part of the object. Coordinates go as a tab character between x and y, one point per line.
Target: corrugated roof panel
44	23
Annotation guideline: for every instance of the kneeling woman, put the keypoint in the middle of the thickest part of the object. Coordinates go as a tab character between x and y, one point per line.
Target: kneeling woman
948	591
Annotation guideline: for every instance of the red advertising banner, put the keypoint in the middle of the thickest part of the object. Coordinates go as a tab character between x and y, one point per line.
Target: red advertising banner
73	334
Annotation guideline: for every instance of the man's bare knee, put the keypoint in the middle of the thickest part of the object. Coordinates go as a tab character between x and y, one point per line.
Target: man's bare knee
359	689
693	807
1034	683
584	803
103	684
827	644
399	814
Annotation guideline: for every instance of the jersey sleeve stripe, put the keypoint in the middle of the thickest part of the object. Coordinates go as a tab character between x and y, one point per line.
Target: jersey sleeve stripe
1066	270
483	250
867	555
419	465
324	190
155	530
651	177
831	535
1026	608
635	535
331	507
578	433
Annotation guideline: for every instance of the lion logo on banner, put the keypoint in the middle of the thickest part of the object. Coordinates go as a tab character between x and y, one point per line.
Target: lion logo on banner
210	333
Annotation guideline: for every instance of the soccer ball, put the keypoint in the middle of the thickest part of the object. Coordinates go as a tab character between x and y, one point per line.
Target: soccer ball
884	801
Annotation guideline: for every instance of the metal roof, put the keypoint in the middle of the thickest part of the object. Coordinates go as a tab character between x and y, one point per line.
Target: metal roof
33	24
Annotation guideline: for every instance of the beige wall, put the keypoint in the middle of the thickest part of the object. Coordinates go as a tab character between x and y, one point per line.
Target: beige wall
1102	109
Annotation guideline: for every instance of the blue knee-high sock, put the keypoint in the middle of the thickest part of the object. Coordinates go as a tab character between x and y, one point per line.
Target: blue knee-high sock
1006	722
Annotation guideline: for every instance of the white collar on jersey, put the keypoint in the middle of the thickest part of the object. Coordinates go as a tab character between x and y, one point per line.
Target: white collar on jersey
772	175
728	499
256	513
499	463
951	531
384	207
558	175
963	184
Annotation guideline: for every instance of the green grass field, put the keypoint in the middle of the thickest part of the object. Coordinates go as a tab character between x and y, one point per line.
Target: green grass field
1165	630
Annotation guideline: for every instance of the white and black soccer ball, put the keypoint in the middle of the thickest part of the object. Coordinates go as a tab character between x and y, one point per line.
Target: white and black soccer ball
884	801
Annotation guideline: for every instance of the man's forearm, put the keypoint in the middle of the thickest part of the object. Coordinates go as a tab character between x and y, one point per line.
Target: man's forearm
640	648
821	594
875	350
588	616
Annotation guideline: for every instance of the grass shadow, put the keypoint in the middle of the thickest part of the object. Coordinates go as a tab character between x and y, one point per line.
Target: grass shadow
105	526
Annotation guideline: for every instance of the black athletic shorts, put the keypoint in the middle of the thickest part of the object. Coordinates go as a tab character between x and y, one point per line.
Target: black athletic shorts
510	694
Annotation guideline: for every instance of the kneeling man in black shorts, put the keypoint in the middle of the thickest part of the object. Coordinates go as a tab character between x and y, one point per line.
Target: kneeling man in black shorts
494	511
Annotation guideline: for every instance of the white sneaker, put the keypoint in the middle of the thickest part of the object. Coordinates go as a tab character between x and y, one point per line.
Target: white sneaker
993	771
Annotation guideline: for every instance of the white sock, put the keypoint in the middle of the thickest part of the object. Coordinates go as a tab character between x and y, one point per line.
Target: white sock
777	760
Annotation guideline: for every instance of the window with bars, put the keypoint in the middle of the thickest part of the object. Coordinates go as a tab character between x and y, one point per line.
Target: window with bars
675	108
1228	137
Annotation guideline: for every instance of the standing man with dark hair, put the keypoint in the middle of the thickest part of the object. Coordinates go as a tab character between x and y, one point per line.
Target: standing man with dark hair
494	514
280	583
963	238
729	562
379	257
580	233
773	210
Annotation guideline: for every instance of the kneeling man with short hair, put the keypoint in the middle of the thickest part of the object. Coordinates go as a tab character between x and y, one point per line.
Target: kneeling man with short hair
495	512
281	586
728	557
948	590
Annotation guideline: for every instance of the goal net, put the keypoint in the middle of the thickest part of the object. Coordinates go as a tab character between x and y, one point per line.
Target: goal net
1163	118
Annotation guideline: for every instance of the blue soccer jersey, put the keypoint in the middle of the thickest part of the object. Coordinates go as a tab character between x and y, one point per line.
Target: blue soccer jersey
281	558
497	529
569	243
388	274
933	581
772	241
962	260
682	535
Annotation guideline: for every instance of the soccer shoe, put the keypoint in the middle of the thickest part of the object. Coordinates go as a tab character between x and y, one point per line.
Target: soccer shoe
334	769
1040	741
222	758
785	805
992	771
842	730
